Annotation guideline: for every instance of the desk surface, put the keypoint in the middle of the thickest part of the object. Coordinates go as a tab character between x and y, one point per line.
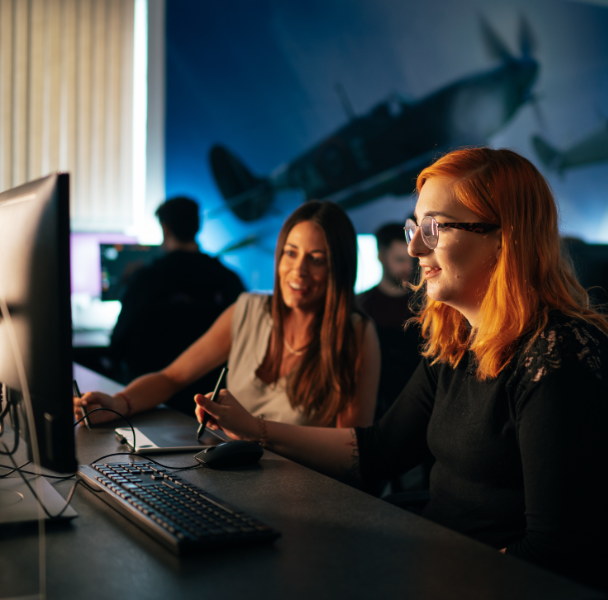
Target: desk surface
91	339
337	542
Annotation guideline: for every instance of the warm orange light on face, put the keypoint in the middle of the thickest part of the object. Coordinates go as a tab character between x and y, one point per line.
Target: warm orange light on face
304	267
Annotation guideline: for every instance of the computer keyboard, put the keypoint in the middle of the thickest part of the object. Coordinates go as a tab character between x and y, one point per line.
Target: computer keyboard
176	513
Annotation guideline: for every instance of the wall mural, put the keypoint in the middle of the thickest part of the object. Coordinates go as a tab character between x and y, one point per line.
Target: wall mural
270	104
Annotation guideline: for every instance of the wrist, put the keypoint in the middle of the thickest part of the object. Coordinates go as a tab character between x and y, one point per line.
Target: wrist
251	433
128	403
262	431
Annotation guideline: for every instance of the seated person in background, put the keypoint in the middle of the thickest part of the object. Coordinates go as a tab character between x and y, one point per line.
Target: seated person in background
169	304
303	355
388	305
511	397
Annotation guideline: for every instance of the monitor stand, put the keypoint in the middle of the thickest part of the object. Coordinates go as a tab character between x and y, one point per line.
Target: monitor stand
18	504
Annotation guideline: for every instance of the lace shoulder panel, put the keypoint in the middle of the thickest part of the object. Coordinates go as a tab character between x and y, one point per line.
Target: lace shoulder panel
563	341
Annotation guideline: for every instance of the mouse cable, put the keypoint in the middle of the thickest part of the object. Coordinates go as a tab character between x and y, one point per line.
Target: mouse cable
149	458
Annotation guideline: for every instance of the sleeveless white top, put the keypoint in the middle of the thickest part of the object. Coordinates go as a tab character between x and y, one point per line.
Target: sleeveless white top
251	330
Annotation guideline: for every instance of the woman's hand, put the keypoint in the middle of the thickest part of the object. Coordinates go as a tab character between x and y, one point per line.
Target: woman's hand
92	400
227	414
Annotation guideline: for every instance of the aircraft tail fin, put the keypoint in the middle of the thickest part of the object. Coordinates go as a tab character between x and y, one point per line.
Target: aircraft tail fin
547	154
246	195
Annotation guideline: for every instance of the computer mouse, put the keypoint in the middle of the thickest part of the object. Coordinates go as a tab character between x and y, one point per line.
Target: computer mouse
231	454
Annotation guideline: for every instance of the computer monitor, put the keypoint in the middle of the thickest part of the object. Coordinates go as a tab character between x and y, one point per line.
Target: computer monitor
86	261
36	326
119	262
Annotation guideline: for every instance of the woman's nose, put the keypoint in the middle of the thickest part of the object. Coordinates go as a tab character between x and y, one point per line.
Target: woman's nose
301	265
417	247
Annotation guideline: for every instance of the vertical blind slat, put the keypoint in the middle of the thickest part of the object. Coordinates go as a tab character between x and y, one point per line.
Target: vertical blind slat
20	71
6	91
66	102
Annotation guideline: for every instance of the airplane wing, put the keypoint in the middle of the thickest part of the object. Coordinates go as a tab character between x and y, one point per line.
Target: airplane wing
399	180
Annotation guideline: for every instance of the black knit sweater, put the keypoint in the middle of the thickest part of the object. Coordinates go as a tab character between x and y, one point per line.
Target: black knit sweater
521	460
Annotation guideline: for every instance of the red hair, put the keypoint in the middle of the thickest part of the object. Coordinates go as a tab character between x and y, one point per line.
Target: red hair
530	278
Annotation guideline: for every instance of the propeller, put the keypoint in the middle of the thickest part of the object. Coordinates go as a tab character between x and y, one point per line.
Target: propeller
527	39
345	101
528	46
250	241
538	113
494	45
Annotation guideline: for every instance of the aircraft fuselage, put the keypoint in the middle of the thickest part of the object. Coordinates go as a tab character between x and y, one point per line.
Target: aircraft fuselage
393	133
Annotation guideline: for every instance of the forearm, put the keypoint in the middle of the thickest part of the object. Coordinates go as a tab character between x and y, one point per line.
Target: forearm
326	449
150	390
331	451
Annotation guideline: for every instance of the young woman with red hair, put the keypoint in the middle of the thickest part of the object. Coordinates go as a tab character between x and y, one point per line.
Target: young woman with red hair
512	395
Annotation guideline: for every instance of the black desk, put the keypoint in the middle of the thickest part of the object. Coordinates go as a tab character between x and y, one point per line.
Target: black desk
337	542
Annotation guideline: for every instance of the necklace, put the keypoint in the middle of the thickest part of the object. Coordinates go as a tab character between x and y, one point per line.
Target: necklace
291	350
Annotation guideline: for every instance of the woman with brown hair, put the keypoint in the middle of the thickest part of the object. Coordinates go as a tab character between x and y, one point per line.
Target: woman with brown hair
303	356
511	397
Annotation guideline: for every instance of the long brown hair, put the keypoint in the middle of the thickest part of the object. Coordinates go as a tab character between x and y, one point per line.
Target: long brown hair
324	382
531	276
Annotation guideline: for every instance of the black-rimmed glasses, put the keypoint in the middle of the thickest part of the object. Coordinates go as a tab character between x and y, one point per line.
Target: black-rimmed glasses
429	228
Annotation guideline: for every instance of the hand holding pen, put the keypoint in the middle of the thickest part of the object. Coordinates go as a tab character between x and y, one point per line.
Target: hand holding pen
201	428
82	408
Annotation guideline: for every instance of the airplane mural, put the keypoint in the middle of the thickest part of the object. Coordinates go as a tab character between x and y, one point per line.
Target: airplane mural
590	150
381	152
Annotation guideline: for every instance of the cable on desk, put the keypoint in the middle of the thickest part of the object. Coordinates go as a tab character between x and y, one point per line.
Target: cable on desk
12	469
44	508
8	403
22	470
14	416
86	414
135	454
197	465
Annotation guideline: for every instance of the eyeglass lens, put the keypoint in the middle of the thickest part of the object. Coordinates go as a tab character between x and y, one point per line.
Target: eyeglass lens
428	229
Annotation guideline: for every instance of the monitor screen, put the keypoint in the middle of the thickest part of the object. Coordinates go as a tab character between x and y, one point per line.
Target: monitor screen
86	262
118	264
36	327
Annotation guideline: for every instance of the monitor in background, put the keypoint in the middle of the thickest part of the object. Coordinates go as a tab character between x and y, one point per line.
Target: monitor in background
119	262
86	261
369	268
91	316
36	327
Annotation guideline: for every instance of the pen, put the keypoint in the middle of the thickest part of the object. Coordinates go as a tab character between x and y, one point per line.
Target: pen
201	427
82	408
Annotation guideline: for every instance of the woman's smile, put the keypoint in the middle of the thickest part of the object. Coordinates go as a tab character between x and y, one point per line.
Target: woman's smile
298	287
429	271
